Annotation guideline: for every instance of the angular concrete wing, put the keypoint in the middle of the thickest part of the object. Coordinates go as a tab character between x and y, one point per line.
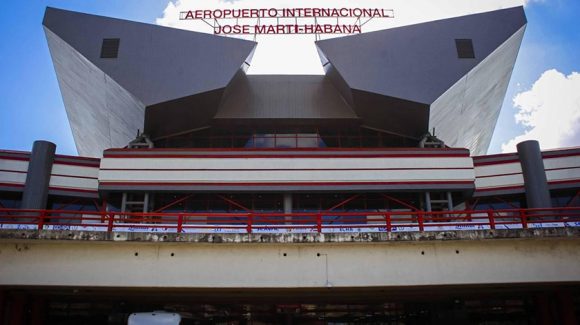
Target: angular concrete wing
413	66
111	70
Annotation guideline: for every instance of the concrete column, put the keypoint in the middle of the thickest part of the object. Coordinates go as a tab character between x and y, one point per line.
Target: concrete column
535	181
39	168
287	203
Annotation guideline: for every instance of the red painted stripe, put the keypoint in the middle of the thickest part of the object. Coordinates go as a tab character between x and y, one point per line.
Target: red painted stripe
66	189
567	181
97	160
499	155
293	156
497	175
13	171
11	185
74	176
561	155
15	158
281	169
501	188
487	163
74	163
508	174
562	168
280	184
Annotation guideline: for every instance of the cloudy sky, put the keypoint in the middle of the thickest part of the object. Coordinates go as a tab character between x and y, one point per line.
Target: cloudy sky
542	103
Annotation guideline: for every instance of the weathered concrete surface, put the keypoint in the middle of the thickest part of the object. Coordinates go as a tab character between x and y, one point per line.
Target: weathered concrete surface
358	261
363	237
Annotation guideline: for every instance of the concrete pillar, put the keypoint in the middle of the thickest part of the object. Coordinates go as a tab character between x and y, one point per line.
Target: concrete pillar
36	187
287	203
535	181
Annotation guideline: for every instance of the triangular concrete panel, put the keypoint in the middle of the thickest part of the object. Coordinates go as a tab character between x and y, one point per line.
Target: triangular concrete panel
155	64
418	62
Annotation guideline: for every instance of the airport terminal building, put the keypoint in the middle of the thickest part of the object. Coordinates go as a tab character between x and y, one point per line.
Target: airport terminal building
363	195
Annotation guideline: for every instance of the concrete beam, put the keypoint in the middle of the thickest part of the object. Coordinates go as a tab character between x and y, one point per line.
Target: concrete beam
340	265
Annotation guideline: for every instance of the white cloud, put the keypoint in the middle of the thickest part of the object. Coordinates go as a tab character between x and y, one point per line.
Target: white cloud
296	54
550	111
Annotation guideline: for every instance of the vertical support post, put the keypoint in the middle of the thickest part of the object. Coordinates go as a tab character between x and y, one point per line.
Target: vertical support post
491	219
524	218
449	201
124	202
287	202
145	202
420	220
35	193
111	220
535	181
428	201
103	210
249	223
388	221
179	223
319	223
41	219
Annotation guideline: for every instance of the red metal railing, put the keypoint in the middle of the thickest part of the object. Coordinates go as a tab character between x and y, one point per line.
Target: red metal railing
308	222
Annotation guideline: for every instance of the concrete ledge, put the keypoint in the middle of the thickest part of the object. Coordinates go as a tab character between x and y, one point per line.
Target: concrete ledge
364	237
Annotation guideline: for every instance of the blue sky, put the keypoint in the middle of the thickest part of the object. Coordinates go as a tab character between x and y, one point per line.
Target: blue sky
31	107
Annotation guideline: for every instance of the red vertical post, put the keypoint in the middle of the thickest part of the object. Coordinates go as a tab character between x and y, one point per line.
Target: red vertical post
41	219
103	210
319	223
524	217
249	223
111	219
491	219
179	223
420	220
388	221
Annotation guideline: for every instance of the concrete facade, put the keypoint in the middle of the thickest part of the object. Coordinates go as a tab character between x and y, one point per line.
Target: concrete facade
335	265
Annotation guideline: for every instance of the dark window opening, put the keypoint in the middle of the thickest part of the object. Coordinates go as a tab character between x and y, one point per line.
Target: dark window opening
110	48
465	48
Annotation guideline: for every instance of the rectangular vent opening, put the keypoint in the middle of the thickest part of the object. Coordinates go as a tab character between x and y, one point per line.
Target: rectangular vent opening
465	48
110	48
